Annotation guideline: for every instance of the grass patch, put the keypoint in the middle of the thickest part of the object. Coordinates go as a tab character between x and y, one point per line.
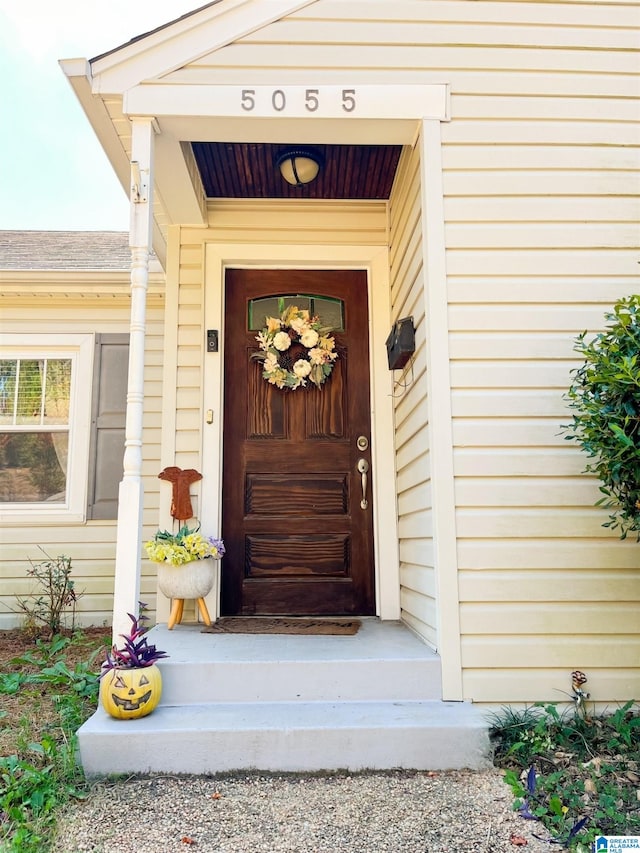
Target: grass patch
576	775
48	687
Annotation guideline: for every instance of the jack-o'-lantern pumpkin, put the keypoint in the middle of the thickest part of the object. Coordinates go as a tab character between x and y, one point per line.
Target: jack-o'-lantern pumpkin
127	694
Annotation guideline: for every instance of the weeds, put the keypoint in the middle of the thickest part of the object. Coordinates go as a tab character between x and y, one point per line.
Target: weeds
48	691
575	774
57	595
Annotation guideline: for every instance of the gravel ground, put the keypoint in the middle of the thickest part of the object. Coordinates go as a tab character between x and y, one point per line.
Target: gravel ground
394	812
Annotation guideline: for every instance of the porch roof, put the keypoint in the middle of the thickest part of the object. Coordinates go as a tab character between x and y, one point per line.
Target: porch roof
164	26
204	155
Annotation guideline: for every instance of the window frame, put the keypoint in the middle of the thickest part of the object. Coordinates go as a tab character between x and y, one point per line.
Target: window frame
79	348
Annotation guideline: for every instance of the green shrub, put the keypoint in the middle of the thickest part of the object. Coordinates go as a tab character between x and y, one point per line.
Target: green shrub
605	398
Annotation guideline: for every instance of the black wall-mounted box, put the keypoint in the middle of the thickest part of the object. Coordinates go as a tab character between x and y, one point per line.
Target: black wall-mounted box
401	343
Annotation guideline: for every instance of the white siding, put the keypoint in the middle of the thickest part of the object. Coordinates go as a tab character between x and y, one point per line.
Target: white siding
91	546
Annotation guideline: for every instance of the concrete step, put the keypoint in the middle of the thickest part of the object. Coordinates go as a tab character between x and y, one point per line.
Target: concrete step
287	736
303	681
291	703
383	661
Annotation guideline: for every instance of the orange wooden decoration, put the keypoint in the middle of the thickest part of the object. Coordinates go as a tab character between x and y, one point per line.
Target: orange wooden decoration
180	480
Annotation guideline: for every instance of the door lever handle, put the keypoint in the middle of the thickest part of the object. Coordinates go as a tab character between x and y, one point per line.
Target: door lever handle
363	467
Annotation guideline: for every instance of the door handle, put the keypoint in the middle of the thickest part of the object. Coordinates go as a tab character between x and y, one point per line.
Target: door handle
363	467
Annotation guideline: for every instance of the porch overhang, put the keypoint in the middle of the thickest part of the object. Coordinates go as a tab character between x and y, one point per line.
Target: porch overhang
246	147
119	87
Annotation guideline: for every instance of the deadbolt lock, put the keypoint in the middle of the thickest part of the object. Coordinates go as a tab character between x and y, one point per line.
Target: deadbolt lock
362	442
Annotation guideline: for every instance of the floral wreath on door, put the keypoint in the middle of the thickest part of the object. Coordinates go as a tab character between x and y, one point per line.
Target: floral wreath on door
296	349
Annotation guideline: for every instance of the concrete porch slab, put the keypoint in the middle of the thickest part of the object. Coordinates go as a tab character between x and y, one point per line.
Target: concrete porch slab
376	640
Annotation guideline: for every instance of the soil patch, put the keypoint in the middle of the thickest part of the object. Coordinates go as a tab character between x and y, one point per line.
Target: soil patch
15	642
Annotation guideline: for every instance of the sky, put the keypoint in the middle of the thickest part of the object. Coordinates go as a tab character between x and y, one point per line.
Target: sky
54	174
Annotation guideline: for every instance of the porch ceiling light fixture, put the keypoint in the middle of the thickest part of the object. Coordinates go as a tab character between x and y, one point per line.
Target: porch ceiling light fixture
299	166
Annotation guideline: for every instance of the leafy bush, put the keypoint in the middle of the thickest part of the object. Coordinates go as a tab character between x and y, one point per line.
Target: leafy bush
57	594
605	398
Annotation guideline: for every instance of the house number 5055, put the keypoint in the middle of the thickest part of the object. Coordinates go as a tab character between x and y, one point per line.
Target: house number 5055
288	101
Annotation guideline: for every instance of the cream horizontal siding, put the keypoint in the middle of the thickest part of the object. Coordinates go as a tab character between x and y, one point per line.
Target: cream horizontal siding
342	223
329	35
600	236
540	169
336	22
556	618
559	182
189	345
593	13
541	240
561	650
534	561
525	687
413	477
607	159
423	57
532	209
586	584
568	262
91	546
520	81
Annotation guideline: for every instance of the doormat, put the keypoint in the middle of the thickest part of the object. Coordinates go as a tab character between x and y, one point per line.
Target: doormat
272	625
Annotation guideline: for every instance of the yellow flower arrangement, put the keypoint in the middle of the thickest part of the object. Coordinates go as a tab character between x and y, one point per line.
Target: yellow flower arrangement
183	547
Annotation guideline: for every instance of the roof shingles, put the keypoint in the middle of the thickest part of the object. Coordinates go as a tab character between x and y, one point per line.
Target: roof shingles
64	250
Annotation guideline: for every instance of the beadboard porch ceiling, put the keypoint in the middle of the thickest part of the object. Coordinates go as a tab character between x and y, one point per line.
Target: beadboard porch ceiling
248	170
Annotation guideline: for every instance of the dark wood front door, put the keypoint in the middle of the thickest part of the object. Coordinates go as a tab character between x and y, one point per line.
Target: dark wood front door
298	534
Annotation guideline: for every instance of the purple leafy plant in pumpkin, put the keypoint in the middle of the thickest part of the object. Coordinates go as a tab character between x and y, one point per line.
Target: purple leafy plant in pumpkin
136	651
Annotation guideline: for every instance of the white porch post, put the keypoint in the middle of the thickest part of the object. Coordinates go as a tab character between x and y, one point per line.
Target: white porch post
131	494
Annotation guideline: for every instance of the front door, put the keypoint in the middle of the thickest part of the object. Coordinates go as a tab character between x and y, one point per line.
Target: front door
297	505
